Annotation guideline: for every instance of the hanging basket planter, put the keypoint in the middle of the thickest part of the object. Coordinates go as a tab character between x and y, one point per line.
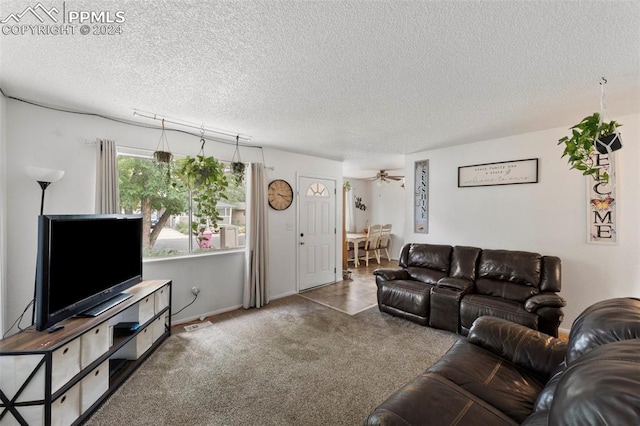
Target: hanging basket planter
162	156
237	166
589	136
609	143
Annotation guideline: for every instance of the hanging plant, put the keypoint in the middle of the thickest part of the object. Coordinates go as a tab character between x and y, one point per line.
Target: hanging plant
237	166
581	146
590	136
162	156
205	178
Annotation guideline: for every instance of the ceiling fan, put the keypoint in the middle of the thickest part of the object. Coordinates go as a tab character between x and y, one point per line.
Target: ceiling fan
384	177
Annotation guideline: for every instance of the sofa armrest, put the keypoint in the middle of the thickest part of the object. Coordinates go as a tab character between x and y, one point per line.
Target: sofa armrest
460	284
525	347
544	300
392	274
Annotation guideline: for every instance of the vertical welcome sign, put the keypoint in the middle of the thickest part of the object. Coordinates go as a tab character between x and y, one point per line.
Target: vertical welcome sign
421	197
602	220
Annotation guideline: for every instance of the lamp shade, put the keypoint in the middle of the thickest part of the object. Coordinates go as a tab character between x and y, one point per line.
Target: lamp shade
44	175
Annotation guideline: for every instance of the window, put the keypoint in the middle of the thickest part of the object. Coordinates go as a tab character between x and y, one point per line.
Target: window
167	210
317	189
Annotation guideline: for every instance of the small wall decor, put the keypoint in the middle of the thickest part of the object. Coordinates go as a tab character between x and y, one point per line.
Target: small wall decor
501	173
421	197
360	205
602	220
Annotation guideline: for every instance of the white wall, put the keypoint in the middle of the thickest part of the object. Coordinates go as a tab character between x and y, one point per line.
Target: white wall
46	138
548	217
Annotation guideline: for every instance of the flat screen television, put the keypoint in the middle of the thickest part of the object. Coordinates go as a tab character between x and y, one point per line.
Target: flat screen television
83	261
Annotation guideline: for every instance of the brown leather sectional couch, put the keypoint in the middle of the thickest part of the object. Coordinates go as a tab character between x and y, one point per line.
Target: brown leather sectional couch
449	287
505	373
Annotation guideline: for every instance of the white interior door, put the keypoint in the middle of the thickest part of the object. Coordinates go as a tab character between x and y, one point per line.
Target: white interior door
317	232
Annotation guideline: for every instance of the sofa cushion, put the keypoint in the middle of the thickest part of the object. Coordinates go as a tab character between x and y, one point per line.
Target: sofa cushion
431	256
464	261
406	295
503	385
474	306
513	266
425	275
505	289
444	403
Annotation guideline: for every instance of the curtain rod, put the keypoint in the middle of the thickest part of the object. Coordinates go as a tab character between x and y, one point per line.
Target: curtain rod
201	128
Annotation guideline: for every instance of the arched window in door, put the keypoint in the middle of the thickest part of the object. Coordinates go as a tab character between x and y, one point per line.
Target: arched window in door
317	189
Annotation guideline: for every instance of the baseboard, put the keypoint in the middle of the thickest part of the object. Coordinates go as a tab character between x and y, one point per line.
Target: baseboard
206	314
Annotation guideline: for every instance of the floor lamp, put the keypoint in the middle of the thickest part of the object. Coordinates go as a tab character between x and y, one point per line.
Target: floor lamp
44	177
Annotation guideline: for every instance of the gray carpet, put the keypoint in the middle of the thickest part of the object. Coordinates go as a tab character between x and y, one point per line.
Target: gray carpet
292	362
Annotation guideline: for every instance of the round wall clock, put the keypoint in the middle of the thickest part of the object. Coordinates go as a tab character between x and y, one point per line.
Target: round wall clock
280	194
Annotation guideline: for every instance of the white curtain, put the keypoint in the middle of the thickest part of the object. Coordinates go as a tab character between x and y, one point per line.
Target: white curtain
350	220
107	188
256	292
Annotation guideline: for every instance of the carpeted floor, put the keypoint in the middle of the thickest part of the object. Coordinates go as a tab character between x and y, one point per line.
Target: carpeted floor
292	362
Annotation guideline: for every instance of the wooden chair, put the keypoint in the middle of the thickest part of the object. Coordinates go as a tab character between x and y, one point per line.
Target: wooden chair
385	241
371	244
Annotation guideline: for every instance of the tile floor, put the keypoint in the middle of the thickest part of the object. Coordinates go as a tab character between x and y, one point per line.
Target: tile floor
354	295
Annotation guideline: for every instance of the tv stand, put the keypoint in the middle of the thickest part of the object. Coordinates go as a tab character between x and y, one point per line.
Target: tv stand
61	378
105	306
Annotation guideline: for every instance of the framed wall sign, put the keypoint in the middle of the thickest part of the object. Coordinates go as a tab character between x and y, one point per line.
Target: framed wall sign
421	197
502	173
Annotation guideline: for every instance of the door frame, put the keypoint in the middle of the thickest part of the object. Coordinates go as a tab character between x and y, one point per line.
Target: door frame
337	205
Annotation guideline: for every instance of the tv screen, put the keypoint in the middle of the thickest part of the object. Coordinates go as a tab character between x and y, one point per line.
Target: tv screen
84	260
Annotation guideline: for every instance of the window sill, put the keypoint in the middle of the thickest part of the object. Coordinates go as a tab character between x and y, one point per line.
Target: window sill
194	255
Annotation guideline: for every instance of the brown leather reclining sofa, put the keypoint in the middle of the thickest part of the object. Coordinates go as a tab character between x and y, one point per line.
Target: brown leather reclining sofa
504	373
450	287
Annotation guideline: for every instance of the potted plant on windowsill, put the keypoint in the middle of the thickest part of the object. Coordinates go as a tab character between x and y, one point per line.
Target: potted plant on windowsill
205	178
589	136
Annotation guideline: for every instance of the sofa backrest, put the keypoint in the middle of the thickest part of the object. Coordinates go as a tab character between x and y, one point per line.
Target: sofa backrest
426	262
431	256
601	387
601	323
509	274
551	279
599	378
464	262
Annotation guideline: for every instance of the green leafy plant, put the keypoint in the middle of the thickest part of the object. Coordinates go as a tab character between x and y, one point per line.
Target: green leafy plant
237	170
205	178
580	146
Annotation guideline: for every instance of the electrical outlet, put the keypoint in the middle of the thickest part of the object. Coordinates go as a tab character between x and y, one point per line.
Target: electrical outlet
195	290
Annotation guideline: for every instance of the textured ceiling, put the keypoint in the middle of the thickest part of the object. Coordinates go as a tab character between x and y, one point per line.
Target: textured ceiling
359	81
